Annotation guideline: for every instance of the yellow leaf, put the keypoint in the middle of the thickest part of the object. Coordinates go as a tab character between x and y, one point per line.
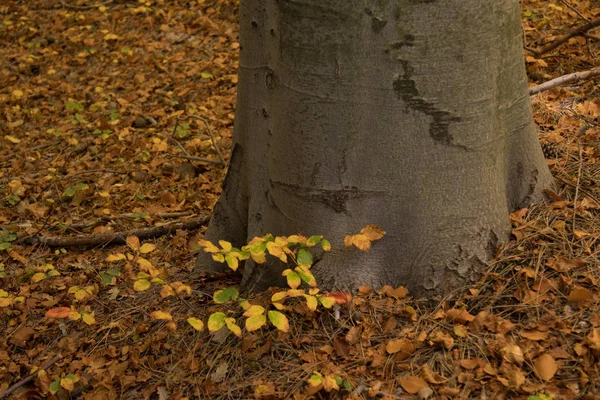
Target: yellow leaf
208	246
88	318
545	367
67	384
81	294
161	315
236	330
255	322
144	264
12	139
141	284
225	245
254	310
5	301
110	36
40	276
330	384
18	93
74	315
348	241
116	257
196	323
311	302
413	384
147	248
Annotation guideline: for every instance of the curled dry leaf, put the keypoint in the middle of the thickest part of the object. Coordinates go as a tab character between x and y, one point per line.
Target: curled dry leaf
512	353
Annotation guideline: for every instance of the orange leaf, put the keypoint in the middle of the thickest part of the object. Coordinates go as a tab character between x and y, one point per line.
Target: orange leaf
58	312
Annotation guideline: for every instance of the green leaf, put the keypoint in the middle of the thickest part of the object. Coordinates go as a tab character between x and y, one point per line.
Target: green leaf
70	191
216	321
218	258
326	245
54	386
224	295
293	279
304	257
279	320
326	301
306	275
348	386
113	272
313	240
315	380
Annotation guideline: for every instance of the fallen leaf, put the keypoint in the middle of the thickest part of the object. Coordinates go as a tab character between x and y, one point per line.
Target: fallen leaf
413	384
545	367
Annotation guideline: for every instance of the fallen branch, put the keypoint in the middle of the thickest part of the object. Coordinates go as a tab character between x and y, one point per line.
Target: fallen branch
67	5
565	79
577	32
106	218
116	237
29	377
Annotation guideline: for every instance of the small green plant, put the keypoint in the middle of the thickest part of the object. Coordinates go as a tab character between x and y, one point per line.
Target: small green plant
72	190
6	237
67	382
182	130
295	251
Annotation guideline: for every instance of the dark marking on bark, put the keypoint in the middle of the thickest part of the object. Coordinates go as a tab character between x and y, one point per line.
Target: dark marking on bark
409	40
342	167
254	24
368	12
377	24
332	198
265	114
271	79
272	31
313	176
422	1
406	90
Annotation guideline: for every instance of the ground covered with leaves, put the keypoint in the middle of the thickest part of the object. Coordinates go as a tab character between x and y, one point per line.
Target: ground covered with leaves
116	120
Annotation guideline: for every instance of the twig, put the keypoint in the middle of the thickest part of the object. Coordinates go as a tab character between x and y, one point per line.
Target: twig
208	160
172	139
574	9
577	186
577	32
212	137
117	237
565	79
29	377
84	7
106	218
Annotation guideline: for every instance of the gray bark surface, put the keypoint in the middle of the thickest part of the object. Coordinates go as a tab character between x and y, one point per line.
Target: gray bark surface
412	115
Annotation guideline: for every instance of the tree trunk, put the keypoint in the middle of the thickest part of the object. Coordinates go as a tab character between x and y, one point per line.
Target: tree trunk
409	114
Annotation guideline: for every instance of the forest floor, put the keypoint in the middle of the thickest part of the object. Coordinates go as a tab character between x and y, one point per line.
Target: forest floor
113	119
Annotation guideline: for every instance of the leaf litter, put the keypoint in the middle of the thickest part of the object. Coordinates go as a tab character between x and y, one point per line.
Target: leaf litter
98	137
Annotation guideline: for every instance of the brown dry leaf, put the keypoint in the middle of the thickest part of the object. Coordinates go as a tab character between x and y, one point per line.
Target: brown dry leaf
512	353
441	339
432	376
399	293
353	334
471	364
545	367
403	348
593	339
580	294
133	242
341	346
21	336
534	334
461	331
413	384
372	232
459	315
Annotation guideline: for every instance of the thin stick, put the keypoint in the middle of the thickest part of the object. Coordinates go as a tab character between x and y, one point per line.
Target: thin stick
212	137
84	7
577	32
30	377
577	186
574	9
565	79
193	158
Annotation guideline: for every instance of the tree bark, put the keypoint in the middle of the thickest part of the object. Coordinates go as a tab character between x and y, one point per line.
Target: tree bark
412	115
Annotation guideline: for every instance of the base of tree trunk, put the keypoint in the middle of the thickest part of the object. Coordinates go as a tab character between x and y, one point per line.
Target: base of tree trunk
407	118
